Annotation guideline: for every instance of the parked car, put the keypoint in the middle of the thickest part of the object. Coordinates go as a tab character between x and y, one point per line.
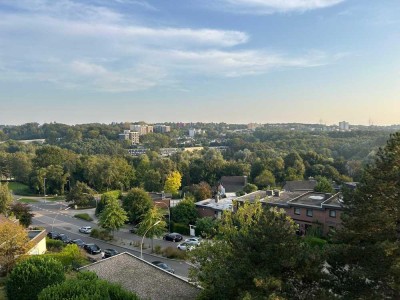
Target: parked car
78	242
85	229
63	237
163	266
92	248
52	234
174	237
110	252
185	246
193	241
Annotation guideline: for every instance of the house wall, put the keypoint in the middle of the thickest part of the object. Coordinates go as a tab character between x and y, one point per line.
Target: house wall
319	215
39	248
205	212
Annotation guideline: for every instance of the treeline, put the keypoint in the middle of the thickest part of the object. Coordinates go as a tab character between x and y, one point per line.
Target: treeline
91	154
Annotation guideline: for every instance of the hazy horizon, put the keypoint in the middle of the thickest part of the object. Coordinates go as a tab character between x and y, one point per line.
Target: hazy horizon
232	61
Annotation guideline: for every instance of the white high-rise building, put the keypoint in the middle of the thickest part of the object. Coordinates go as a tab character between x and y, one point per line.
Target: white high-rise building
344	126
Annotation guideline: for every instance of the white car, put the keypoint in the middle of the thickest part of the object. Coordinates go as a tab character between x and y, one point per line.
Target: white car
85	229
185	246
193	241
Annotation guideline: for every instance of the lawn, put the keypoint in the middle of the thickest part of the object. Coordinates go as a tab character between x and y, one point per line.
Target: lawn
20	189
26	200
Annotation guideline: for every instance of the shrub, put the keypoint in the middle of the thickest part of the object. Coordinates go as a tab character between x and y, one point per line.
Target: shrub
84	216
71	257
54	245
86	286
101	234
206	227
157	249
31	276
181	228
171	252
315	242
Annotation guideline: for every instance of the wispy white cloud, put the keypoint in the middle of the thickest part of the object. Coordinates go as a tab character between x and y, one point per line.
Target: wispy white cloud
76	45
273	6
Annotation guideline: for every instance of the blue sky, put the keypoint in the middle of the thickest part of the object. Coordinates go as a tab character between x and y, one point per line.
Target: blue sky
234	61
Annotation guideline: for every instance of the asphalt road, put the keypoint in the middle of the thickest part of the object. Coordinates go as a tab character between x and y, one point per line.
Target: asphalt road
51	216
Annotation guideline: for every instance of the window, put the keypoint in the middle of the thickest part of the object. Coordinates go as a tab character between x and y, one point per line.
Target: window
332	213
309	212
297	210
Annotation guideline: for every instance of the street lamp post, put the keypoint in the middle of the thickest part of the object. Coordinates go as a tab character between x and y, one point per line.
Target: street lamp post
169	214
141	244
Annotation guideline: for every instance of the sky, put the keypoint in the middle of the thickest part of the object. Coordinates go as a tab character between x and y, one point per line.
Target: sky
233	61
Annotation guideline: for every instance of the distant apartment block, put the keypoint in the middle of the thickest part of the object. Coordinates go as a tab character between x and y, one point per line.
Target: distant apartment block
253	126
160	128
344	126
128	135
142	129
193	132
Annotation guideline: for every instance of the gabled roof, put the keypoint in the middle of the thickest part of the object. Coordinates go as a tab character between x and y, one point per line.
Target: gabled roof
143	278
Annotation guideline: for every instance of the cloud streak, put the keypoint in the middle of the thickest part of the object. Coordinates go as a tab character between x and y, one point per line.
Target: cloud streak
82	46
274	6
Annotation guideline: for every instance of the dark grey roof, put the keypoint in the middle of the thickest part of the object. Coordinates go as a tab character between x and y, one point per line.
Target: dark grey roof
233	184
300	185
143	278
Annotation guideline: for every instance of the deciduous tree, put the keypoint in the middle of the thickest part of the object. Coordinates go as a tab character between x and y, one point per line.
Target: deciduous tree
14	241
136	203
113	217
173	182
5	198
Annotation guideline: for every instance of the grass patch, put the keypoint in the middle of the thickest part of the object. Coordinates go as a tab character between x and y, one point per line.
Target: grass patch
20	189
27	200
84	216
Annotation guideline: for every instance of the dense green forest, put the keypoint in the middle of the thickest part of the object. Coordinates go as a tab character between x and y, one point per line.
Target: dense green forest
92	153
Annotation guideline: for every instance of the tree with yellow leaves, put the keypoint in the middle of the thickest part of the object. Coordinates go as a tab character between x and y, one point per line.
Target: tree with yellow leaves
173	182
14	241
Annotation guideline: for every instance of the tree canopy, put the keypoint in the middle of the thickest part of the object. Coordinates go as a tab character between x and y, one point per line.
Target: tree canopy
31	276
257	256
136	203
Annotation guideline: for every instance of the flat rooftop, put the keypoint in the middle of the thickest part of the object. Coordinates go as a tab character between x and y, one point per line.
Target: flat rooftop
221	204
314	199
283	198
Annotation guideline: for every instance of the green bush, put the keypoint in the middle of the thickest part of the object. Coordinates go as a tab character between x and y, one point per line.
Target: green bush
54	245
84	216
71	257
86	286
180	228
101	234
31	276
315	242
157	249
171	252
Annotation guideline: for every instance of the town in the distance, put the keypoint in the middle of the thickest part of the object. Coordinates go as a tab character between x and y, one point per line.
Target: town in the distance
199	211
